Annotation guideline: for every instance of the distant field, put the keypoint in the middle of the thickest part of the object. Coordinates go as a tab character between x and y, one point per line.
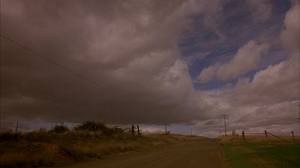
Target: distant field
258	152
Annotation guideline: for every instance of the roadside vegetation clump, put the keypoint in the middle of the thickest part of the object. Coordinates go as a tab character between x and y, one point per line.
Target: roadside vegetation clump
100	128
62	145
59	129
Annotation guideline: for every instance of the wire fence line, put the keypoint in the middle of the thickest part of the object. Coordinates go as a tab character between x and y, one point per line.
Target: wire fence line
286	137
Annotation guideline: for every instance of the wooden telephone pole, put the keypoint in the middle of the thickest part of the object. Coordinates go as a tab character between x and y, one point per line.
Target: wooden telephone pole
299	112
225	124
17	126
166	129
299	116
1	113
0	121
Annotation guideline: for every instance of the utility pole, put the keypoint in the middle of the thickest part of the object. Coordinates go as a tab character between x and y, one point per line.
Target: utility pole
299	111
138	130
299	116
0	122
166	128
1	112
132	130
225	124
17	126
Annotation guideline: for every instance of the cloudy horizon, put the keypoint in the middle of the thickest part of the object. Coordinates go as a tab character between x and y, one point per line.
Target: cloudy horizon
184	63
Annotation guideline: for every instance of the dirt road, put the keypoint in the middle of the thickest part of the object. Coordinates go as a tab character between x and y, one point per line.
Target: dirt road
202	153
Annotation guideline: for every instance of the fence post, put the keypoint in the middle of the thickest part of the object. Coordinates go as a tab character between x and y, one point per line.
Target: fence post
132	130
17	126
293	135
243	135
266	133
138	130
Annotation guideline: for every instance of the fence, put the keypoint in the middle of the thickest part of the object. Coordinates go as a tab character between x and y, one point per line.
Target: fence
268	136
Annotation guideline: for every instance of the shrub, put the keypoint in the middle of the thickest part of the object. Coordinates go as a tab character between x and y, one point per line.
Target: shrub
91	126
59	129
98	127
9	136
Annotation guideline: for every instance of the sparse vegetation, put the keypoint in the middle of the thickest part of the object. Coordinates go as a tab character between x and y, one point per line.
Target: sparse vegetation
91	140
100	128
61	146
59	129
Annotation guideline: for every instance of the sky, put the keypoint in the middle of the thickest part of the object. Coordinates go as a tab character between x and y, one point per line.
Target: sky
184	63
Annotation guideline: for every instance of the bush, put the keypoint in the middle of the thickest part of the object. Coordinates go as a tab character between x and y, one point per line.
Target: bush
98	127
59	129
9	136
91	126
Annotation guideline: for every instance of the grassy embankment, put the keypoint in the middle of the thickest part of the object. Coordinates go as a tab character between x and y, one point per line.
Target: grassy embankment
259	151
61	147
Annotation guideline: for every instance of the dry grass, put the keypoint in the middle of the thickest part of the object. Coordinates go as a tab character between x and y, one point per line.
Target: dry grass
41	149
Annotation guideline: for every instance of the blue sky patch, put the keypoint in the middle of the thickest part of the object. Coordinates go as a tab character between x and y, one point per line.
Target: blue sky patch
202	47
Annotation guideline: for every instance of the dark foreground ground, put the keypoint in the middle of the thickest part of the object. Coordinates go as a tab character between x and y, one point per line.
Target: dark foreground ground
202	152
208	153
89	149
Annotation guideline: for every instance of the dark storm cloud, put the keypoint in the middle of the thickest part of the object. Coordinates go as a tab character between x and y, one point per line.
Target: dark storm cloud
114	61
120	61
